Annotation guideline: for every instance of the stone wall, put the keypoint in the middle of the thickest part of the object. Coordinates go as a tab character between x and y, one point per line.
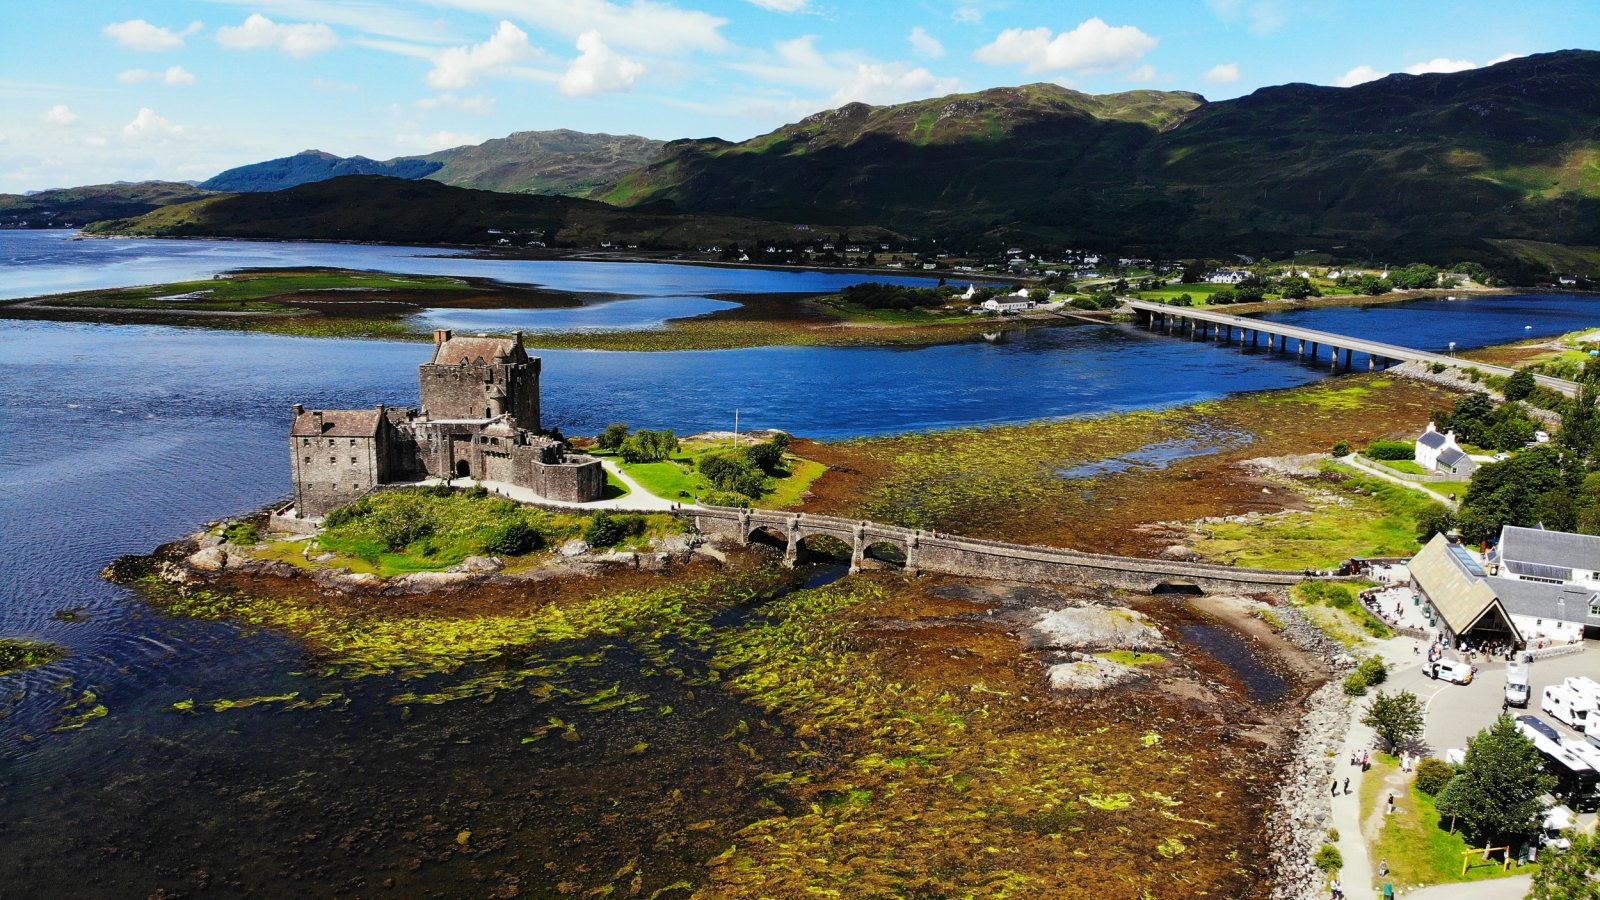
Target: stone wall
331	471
476	392
577	479
930	552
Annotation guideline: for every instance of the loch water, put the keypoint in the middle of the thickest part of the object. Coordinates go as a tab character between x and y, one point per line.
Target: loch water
119	438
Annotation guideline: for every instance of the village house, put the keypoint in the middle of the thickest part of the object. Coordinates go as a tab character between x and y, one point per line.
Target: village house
1537	587
1008	303
1441	455
1227	276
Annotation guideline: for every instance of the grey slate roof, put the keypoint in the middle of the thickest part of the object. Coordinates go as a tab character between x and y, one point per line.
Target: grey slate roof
1432	439
1560	549
1451	456
1543	601
336	423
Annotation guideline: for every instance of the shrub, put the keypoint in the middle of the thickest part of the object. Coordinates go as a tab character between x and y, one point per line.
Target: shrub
1355	685
603	530
401	526
1437	367
346	514
241	533
513	539
767	456
648	446
613	436
1433	774
1391	450
1519	385
1373	670
733	471
1342	448
724	498
1328	858
1333	835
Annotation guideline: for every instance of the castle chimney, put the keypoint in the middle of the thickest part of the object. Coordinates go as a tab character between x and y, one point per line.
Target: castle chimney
440	335
516	338
299	409
381	408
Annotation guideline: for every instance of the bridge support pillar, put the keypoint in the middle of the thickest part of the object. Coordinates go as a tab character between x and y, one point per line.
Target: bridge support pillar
858	548
1372	362
791	553
912	543
744	528
1302	348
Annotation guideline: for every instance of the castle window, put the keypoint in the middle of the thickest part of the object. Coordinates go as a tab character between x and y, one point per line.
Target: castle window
352	460
308	459
305	442
352	442
333	460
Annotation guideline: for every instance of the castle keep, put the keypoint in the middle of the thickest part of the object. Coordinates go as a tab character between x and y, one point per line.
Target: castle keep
479	419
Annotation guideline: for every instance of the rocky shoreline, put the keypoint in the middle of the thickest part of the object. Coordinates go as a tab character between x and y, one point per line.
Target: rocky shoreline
1298	822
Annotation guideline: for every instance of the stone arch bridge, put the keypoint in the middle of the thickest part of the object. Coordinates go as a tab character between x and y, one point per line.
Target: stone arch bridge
925	552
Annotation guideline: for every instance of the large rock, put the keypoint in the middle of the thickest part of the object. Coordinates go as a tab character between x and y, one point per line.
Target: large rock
1088	673
574	547
1092	627
483	565
211	559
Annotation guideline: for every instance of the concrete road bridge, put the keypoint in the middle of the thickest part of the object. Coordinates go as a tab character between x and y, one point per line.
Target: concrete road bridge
803	535
1310	344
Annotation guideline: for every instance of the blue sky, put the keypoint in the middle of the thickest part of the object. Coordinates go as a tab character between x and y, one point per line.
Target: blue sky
102	90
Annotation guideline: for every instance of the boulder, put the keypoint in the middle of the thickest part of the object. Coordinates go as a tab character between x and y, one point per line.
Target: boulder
211	559
483	565
1088	673
574	547
675	543
1092	627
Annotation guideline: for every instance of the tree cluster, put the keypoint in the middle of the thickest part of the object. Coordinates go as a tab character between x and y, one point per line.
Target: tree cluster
877	295
648	446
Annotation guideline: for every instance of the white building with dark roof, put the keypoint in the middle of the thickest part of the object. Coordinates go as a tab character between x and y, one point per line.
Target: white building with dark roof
1440	454
1538	587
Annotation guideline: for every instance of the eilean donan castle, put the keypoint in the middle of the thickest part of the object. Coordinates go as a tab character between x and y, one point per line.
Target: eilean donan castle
479	419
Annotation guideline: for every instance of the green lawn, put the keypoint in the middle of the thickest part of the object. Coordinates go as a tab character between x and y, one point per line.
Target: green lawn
853	312
1198	292
678	479
1446	488
1367	516
1417	849
248	291
1402	465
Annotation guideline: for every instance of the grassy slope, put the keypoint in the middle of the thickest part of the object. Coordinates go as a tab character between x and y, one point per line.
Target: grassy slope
1426	166
544	162
677	478
95	202
1418	849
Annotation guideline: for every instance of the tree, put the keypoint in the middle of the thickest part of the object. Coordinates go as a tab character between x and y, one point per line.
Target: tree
603	530
1519	385
1436	519
1039	295
1496	790
648	446
1508	493
1570	875
613	436
1397	718
1296	287
1414	277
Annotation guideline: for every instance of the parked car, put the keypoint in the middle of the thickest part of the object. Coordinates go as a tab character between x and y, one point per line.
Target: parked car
1449	670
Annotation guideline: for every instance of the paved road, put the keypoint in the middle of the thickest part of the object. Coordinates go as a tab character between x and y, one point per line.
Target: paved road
1377	471
636	500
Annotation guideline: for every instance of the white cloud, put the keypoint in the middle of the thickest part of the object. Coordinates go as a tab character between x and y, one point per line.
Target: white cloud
925	44
967	15
598	69
480	103
174	75
460	67
1441	65
1225	73
784	6
880	83
438	140
60	114
1144	74
1359	75
137	34
647	25
299	40
149	125
1093	46
1504	57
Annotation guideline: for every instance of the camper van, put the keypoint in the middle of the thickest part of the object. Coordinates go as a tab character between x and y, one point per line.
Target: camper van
1517	685
1571	701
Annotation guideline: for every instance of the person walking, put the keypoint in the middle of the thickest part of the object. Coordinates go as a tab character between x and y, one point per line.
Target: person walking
1338	890
1347	787
1391	805
1335	792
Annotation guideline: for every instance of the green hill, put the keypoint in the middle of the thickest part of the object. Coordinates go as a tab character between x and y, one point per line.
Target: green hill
378	208
1429	166
312	165
92	203
544	162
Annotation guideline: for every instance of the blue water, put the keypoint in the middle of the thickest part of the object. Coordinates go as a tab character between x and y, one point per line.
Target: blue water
1469	322
122	437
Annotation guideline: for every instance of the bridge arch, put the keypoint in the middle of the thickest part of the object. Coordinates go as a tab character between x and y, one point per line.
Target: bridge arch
820	546
887	552
1178	586
768	535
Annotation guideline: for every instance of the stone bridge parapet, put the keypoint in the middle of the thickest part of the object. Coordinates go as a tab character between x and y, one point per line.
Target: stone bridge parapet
927	552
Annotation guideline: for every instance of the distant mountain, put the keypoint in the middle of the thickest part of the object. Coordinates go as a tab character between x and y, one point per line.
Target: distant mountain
544	162
1464	165
527	162
376	208
80	205
312	165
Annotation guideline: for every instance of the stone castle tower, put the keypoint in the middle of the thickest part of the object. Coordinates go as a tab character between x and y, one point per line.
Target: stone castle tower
481	378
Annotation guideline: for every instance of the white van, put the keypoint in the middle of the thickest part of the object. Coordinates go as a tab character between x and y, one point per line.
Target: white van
1517	685
1569	702
1449	670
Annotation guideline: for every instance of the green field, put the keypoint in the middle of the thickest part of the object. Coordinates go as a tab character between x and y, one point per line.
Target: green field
250	292
1417	848
1402	465
678	478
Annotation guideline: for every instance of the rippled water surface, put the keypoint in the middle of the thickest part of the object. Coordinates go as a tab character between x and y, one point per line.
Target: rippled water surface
119	438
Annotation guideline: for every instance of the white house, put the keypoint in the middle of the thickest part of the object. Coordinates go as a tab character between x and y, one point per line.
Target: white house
1008	303
1227	276
1441	455
1550	557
